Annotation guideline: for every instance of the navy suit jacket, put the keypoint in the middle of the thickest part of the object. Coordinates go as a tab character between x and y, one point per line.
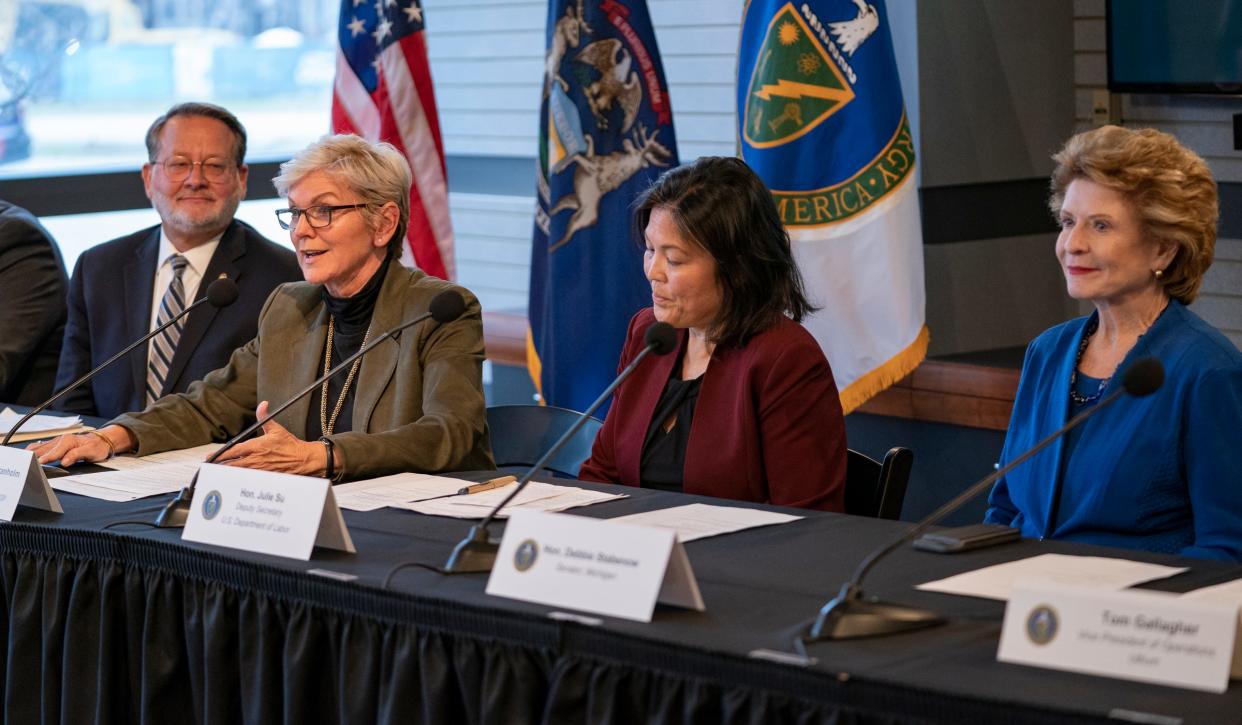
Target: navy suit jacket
32	307
110	307
1159	473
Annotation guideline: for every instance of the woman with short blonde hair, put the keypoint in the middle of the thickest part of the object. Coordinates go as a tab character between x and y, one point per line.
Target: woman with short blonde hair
1170	186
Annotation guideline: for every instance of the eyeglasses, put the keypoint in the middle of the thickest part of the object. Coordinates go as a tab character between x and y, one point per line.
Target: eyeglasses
317	216
177	168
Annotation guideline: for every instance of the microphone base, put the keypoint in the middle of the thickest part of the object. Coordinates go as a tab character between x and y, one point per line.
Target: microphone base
175	513
850	616
473	554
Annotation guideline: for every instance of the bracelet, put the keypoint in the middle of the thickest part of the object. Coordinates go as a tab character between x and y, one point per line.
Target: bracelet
329	453
105	439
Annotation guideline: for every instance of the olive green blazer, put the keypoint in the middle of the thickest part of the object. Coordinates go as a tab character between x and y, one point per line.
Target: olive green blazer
419	401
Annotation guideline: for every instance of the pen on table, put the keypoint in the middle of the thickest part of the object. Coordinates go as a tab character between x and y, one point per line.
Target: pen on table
486	485
473	488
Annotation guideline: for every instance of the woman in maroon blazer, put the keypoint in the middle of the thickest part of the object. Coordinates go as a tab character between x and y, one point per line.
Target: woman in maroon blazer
747	408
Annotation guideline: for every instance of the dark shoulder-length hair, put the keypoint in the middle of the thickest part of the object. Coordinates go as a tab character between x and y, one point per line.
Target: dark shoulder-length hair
721	205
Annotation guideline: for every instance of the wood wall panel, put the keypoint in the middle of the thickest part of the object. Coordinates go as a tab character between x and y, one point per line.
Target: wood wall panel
941	392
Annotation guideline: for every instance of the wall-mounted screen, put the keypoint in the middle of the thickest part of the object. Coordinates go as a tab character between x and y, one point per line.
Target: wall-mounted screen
1175	46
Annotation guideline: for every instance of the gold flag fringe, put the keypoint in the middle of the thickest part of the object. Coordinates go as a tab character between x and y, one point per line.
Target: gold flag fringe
533	365
894	369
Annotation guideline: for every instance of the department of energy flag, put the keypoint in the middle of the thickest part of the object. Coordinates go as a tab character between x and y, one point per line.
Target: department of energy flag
605	132
821	119
383	93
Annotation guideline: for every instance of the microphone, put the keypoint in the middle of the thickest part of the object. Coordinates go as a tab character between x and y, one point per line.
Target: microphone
444	307
851	615
477	552
220	293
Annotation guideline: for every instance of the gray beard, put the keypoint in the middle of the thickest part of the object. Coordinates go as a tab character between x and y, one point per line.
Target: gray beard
214	223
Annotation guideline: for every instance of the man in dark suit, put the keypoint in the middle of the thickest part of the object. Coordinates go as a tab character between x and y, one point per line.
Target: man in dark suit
32	307
120	290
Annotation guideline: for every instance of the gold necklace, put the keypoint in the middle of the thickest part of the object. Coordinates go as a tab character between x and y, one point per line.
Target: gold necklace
327	424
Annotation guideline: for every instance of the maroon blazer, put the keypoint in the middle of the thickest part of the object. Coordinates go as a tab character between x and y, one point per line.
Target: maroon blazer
767	425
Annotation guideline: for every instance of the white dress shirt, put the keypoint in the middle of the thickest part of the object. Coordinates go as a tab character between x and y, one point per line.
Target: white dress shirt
196	259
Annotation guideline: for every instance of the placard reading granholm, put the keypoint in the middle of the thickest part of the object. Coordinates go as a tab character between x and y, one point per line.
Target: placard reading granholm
822	121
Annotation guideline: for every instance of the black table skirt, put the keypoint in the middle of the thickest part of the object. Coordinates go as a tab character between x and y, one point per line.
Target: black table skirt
131	625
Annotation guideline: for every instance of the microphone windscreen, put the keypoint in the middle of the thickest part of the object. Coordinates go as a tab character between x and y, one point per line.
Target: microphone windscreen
446	306
1144	377
222	292
661	338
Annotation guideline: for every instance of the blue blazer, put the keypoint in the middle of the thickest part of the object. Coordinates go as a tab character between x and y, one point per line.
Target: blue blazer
1161	473
110	307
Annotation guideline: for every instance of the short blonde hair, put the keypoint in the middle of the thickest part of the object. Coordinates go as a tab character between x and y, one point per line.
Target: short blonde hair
1170	186
377	172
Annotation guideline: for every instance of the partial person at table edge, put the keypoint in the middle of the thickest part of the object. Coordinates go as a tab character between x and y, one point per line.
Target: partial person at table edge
32	307
1138	214
412	404
746	407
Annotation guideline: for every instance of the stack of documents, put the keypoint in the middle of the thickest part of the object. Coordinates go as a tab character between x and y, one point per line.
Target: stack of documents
437	496
40	426
133	477
395	490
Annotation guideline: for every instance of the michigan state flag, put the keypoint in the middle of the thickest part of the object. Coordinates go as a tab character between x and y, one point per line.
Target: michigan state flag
606	131
821	120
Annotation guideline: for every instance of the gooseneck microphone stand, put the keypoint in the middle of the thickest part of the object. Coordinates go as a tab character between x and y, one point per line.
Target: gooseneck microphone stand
445	307
220	293
477	552
851	614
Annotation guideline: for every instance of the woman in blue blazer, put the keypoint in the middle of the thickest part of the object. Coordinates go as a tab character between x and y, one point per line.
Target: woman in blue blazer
1138	215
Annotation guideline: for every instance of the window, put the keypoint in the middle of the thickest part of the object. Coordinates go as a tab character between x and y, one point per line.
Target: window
120	63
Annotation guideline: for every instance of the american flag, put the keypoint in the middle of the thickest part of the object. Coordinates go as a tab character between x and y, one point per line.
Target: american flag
383	93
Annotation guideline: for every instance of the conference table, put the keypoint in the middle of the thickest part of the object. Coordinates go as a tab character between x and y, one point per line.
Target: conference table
107	620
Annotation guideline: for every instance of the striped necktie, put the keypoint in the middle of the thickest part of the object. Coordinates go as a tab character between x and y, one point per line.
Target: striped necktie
164	344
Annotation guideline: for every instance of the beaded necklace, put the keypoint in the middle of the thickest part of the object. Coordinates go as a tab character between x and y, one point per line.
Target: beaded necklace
1078	398
325	423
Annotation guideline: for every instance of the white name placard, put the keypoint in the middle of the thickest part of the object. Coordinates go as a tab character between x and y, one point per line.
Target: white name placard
22	482
265	512
1130	634
592	565
1229	594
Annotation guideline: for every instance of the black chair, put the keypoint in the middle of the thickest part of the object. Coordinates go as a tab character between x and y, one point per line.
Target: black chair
877	489
523	433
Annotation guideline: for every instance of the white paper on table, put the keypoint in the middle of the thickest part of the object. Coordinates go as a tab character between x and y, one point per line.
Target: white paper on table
45	425
401	488
537	496
132	484
700	520
194	455
1101	572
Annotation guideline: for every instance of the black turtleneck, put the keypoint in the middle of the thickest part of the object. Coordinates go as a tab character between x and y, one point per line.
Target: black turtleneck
352	317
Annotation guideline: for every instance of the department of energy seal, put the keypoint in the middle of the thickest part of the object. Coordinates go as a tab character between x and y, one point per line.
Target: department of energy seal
524	557
211	505
1042	624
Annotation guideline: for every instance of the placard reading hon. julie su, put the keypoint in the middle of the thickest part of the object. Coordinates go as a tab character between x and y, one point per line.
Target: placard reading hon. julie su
265	512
